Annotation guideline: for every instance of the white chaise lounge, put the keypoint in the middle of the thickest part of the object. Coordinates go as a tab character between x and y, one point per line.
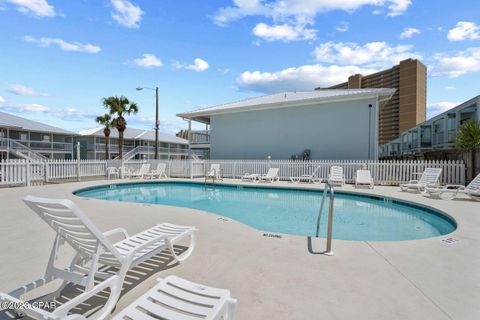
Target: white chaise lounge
472	190
271	176
141	172
430	178
313	177
215	172
174	298
363	178
159	172
336	176
94	250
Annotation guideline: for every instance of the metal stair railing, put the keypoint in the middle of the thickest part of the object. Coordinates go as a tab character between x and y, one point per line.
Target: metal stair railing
23	151
328	187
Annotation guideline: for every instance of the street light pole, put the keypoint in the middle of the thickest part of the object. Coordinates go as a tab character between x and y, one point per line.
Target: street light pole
157	123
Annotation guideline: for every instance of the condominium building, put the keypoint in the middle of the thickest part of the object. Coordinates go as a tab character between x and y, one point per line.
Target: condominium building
437	133
407	108
27	139
137	143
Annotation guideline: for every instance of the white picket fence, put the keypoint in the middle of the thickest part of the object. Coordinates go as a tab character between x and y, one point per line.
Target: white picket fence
22	172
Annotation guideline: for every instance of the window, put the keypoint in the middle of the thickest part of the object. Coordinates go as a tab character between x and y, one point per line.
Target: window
46	138
23	137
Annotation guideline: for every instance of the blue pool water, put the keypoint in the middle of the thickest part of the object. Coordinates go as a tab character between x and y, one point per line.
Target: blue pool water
288	211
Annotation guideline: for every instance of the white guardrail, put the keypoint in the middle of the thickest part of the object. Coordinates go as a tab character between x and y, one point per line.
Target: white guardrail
23	172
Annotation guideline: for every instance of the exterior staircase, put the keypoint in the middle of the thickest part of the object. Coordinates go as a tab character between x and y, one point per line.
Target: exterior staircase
130	154
20	150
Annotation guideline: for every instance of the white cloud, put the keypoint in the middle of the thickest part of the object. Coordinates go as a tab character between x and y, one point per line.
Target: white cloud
300	10
199	65
126	13
457	64
306	77
21	90
2	100
464	31
37	8
149	60
342	26
398	7
407	33
22	108
283	32
434	109
373	54
63	45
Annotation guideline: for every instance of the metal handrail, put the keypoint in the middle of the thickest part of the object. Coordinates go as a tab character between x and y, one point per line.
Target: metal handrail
328	187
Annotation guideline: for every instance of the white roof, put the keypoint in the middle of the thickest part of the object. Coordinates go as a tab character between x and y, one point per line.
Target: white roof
8	120
289	99
135	134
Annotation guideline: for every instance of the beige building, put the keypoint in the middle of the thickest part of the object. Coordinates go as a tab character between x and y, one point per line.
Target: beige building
407	108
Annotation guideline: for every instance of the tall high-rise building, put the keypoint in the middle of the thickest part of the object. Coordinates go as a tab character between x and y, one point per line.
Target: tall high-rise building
407	108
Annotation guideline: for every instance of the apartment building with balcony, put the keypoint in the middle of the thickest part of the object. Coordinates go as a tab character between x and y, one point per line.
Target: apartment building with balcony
199	141
407	108
437	133
137	144
27	139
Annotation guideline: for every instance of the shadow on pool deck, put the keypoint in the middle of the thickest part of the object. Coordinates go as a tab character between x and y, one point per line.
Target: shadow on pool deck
160	262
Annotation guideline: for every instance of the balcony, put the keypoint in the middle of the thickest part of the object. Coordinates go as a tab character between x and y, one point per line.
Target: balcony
44	146
200	137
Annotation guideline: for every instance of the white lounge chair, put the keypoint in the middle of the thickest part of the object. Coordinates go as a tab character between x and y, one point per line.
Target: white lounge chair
94	250
271	176
250	176
113	171
336	176
472	190
63	312
141	172
159	172
364	178
174	298
215	172
313	177
430	177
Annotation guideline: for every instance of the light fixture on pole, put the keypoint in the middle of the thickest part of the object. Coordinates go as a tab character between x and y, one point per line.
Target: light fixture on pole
157	122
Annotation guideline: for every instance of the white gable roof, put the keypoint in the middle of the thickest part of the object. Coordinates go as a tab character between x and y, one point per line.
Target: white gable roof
135	134
8	120
290	99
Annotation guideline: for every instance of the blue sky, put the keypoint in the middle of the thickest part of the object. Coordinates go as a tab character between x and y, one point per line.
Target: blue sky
58	59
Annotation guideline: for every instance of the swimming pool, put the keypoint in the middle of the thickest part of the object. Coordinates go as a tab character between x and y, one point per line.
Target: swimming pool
291	211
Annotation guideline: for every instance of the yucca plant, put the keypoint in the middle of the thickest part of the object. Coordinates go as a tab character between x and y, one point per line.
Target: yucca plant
468	139
119	107
106	122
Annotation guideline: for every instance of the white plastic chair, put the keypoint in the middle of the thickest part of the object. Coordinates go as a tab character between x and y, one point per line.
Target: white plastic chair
472	190
159	172
313	177
363	178
336	176
94	250
271	176
174	298
112	171
215	172
430	178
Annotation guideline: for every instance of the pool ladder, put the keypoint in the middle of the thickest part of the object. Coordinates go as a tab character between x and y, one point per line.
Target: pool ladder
328	187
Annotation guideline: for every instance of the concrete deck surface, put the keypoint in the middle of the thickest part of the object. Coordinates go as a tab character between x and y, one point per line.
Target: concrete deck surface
276	278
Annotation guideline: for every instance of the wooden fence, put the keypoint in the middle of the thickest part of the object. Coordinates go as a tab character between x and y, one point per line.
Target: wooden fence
22	172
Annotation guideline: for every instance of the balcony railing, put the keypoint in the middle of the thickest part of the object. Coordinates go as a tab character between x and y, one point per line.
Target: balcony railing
199	137
113	148
47	146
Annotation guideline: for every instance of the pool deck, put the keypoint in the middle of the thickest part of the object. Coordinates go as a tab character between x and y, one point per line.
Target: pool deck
277	278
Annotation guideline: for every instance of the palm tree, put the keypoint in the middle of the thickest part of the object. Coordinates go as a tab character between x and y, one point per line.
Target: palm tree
468	139
106	122
119	107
